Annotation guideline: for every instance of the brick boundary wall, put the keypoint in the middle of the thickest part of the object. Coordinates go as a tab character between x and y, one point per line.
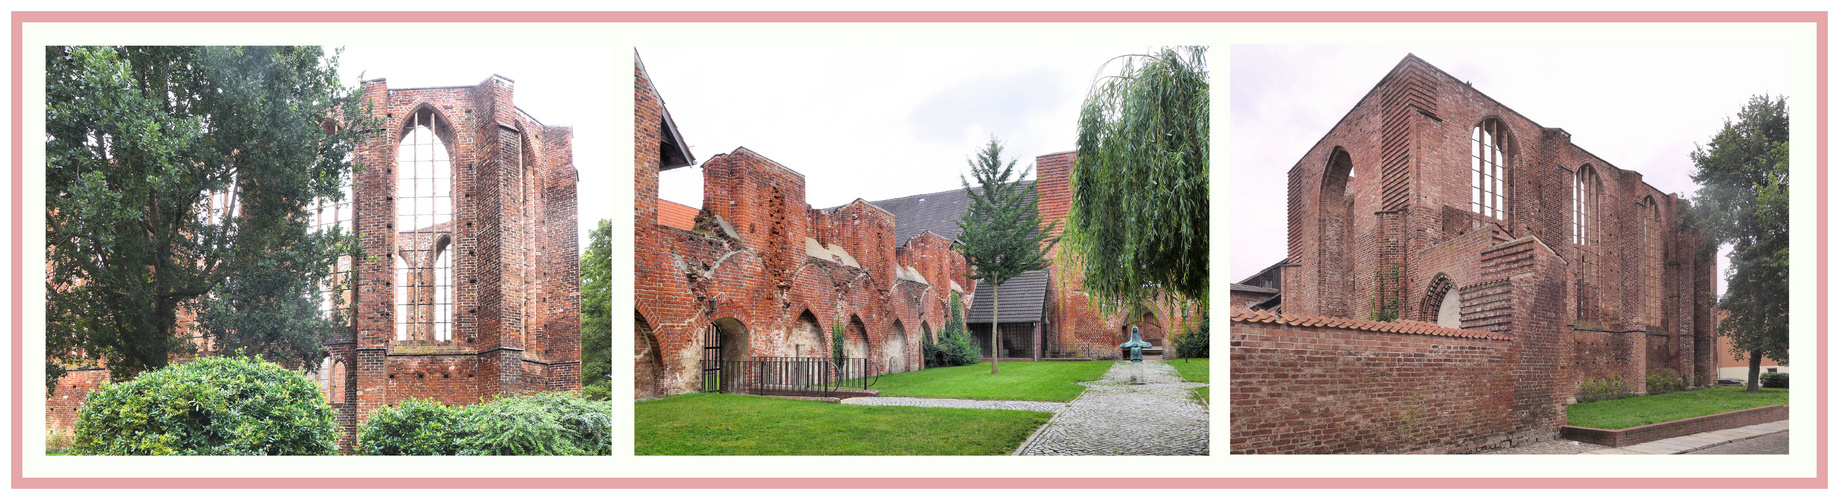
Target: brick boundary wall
1684	427
1316	385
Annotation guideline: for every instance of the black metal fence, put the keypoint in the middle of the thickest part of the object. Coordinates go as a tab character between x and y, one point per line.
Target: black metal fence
798	376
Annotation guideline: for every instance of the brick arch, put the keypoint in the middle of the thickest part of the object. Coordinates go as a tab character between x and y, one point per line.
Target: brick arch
1435	297
855	338
894	350
807	338
1335	232
428	114
647	359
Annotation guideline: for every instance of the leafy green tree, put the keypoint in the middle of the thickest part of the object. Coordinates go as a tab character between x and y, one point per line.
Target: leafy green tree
954	347
1138	221
172	171
1743	202
1000	232
597	313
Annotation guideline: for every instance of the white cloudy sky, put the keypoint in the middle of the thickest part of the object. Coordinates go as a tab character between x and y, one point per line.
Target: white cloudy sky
870	122
1642	108
571	86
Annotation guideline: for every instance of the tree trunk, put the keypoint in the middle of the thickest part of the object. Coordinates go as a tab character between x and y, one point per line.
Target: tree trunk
996	346
1755	372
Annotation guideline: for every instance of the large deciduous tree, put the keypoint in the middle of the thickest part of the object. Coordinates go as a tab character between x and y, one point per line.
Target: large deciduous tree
1743	202
1138	221
1000	233
178	181
597	313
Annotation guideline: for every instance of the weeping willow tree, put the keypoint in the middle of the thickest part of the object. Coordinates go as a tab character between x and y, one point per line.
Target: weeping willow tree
1138	222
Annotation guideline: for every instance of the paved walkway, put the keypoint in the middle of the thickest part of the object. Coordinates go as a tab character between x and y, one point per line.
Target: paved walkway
1701	441
1114	417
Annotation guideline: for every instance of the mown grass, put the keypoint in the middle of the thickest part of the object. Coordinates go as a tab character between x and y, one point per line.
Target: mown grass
1019	380
722	424
1196	370
1643	410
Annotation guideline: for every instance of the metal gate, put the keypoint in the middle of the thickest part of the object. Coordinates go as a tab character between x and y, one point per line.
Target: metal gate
712	358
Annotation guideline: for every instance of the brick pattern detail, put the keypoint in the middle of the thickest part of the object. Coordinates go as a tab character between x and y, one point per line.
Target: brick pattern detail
1384	196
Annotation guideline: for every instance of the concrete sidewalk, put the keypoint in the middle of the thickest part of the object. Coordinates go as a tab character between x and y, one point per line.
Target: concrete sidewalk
1695	442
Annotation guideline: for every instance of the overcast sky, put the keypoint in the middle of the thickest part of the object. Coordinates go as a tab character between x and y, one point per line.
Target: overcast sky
1642	108
870	122
571	86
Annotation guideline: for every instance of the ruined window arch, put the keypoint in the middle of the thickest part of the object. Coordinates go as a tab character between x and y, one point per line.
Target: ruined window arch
1586	205
1488	169
1652	242
807	338
1440	306
1335	234
335	386
855	338
334	215
424	222
647	361
894	350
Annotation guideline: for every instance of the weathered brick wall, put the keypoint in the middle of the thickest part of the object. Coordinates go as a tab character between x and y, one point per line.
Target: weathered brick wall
62	407
1312	385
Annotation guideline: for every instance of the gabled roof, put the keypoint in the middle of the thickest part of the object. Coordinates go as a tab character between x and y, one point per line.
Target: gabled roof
936	212
676	215
672	151
1023	299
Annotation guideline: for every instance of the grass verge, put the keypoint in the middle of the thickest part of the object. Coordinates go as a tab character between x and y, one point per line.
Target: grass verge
1196	370
1019	380
1643	410
722	424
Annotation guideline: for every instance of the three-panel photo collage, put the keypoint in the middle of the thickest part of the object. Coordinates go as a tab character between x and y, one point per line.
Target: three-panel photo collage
903	245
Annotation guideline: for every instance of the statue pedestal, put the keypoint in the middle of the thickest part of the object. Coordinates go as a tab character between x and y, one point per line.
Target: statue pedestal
1137	377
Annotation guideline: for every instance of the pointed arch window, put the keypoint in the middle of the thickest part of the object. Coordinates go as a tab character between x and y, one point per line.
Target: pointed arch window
424	225
1652	241
1487	170
1586	208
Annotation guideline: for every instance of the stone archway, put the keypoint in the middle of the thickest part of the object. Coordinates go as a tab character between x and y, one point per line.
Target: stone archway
855	339
807	338
647	361
894	351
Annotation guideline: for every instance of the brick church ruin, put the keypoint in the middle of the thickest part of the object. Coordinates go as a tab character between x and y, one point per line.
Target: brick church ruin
756	275
1517	264
466	207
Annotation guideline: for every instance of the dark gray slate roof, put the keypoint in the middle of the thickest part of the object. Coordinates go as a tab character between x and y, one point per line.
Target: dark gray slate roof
936	212
1023	299
1240	287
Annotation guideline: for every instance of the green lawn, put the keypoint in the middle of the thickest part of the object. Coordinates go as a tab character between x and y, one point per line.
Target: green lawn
722	424
1195	370
1643	410
1019	380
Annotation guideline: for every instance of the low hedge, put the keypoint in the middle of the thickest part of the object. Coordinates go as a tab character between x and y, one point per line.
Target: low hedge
550	423
213	406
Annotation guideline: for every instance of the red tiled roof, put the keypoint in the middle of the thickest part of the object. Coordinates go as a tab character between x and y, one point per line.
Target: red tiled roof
676	215
1243	315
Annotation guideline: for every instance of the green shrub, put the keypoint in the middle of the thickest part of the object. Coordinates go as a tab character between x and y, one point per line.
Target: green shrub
550	423
1776	380
1603	389
213	406
1194	343
955	347
58	442
414	427
1664	380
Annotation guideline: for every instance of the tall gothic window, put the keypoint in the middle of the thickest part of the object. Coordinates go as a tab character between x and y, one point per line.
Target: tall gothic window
1651	241
1586	208
1487	171
328	216
424	220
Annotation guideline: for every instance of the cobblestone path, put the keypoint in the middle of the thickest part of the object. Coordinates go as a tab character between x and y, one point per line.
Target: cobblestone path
1114	417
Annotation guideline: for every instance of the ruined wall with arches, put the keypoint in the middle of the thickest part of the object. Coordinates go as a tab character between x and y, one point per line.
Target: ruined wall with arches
1432	202
466	211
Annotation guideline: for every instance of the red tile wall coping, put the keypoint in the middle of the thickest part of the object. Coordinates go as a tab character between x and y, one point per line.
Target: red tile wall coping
1243	315
1683	427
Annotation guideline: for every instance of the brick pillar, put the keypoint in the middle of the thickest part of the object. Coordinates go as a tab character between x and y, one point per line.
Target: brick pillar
374	216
